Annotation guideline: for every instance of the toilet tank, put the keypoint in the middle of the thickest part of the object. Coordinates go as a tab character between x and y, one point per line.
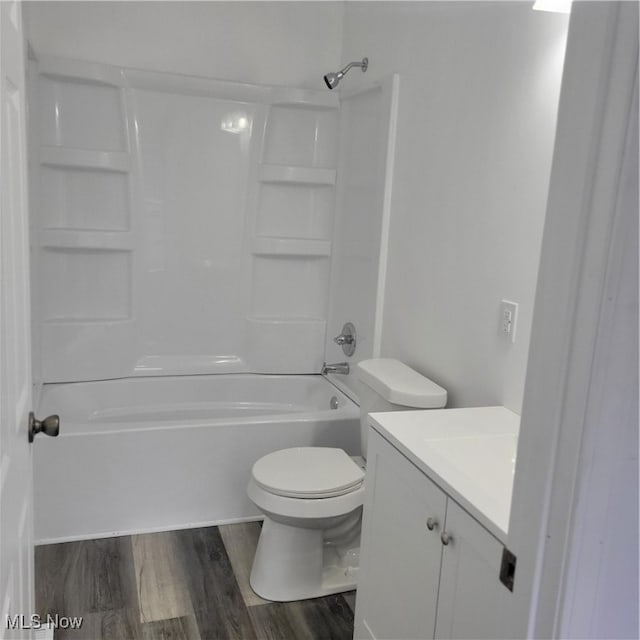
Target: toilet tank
386	384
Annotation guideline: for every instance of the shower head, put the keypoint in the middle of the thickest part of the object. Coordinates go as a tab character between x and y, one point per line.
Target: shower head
332	79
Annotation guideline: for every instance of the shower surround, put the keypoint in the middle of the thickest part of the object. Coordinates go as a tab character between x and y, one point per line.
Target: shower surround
183	227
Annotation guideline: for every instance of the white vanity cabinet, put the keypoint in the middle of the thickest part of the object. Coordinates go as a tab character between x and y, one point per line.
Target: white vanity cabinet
412	585
472	602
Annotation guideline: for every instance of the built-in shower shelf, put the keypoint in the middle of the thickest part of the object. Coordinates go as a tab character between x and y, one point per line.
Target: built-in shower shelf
79	322
304	98
80	72
297	175
80	239
295	247
85	158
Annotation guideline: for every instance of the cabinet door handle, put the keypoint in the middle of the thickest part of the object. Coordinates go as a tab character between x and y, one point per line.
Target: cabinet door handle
432	523
445	538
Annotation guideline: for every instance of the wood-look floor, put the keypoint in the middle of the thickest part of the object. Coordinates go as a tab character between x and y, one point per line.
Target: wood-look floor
179	585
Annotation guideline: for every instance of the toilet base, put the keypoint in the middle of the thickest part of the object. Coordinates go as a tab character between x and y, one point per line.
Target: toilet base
294	563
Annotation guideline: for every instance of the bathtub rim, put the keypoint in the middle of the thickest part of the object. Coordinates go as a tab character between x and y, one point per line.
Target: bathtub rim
70	429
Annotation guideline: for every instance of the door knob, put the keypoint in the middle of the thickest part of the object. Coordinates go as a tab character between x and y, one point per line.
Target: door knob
432	523
50	426
445	538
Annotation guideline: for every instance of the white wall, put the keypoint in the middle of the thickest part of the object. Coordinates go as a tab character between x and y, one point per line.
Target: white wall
478	99
284	43
479	88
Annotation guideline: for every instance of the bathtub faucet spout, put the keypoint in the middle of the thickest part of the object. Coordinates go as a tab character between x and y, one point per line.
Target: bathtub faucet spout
339	367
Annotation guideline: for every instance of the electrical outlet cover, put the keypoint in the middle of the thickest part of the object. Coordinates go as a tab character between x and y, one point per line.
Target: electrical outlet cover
508	320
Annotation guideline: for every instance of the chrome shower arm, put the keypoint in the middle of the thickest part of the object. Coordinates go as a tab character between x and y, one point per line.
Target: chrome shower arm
363	65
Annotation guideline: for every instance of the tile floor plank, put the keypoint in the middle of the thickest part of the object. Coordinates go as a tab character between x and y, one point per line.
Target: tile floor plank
279	621
350	599
122	624
78	578
240	541
328	618
161	587
217	603
182	628
180	571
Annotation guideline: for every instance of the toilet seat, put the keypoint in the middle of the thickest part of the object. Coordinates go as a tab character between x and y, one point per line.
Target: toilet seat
308	473
304	509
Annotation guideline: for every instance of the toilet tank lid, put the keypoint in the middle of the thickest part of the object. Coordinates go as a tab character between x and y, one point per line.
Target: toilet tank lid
400	384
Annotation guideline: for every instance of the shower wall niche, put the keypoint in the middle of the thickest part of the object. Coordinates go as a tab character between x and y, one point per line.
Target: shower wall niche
180	225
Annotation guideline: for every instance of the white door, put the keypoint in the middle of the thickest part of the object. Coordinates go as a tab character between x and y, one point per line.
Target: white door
472	601
16	537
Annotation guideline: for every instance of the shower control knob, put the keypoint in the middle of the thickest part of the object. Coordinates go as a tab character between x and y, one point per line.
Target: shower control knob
50	426
432	523
347	339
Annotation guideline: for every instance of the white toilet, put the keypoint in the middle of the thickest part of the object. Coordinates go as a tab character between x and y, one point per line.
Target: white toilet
312	496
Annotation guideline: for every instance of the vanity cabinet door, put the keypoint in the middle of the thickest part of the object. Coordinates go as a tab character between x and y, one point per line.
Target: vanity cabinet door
473	603
400	557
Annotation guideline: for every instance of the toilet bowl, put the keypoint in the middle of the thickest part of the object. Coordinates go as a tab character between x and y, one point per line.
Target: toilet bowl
311	497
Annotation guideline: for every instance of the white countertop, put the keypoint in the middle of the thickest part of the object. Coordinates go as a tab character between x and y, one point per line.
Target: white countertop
470	453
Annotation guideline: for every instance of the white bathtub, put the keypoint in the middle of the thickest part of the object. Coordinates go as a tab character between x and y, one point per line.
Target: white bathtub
153	454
